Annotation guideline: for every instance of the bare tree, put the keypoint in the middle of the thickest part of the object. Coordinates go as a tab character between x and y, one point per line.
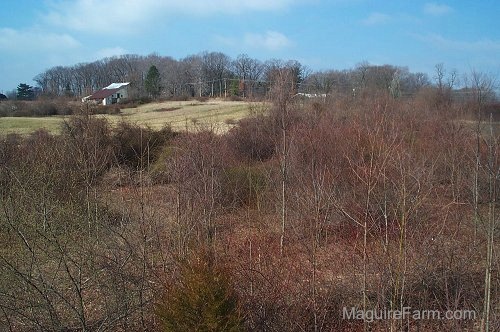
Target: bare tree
282	89
215	66
249	71
482	87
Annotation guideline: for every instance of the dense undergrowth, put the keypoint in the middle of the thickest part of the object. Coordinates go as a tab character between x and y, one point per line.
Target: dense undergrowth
277	225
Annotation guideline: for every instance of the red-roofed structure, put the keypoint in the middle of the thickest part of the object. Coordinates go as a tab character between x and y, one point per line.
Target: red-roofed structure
111	94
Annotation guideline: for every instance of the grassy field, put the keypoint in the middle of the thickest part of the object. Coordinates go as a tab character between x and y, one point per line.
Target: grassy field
23	126
181	115
188	115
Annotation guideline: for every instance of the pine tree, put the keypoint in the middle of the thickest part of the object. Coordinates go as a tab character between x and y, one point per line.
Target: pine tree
25	92
202	299
153	81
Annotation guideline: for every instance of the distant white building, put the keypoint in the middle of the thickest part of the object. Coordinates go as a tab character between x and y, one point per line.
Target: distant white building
111	94
311	95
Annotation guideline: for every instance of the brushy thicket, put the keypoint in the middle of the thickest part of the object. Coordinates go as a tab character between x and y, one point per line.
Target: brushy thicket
45	106
276	225
39	108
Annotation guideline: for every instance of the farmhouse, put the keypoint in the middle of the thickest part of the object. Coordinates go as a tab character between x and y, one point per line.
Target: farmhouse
111	94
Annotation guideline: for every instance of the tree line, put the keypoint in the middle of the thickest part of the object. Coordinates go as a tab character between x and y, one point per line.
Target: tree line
216	74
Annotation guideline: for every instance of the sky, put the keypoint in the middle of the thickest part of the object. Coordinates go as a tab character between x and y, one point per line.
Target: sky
36	35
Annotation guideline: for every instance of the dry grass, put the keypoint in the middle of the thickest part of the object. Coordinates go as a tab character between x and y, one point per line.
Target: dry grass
181	115
188	115
24	126
485	126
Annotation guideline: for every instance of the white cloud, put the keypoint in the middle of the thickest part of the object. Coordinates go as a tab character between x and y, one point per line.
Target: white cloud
110	52
237	5
482	45
100	16
113	16
376	18
225	41
271	40
435	9
22	41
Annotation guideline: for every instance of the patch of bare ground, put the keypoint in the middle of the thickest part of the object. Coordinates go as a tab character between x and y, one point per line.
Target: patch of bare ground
168	109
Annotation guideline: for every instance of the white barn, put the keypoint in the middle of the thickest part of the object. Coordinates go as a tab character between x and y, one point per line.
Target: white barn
111	94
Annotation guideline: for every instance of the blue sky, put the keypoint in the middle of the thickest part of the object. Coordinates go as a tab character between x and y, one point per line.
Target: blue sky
336	34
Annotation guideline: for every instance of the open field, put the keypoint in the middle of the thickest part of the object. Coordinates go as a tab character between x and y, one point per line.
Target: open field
23	126
181	115
485	126
186	115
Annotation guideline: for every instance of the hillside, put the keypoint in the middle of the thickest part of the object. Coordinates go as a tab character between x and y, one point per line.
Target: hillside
287	221
181	115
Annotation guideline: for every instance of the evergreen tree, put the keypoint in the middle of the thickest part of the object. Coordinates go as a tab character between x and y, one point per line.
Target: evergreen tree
202	299
153	81
25	92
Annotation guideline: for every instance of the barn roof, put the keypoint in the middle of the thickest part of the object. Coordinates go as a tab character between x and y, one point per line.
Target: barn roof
117	85
107	91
